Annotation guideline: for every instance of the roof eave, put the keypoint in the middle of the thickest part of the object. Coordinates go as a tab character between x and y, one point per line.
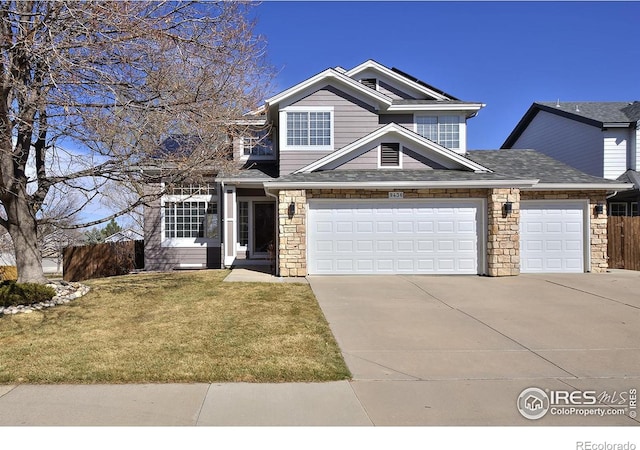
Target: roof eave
581	187
466	184
437	107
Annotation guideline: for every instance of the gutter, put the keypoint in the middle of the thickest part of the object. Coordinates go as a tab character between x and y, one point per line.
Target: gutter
581	187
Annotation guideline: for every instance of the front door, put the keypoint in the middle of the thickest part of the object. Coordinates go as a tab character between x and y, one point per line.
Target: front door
263	228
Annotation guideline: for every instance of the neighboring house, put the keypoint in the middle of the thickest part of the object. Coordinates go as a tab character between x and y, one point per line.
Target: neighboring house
599	138
124	235
366	171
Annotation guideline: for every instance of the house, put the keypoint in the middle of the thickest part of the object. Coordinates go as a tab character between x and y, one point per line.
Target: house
127	234
367	171
599	138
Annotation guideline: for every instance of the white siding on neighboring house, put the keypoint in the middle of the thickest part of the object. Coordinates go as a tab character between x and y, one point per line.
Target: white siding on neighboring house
636	148
615	152
574	143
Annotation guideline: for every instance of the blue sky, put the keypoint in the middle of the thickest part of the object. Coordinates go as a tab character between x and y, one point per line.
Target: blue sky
504	54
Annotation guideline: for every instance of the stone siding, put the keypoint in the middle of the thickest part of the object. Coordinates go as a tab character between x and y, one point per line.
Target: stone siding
503	237
292	246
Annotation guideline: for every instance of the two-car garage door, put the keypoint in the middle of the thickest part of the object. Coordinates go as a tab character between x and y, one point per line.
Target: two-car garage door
392	236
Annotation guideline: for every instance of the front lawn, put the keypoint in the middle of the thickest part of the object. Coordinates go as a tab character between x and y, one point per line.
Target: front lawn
176	327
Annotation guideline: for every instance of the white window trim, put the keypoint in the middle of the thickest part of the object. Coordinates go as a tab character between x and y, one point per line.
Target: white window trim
283	128
187	242
400	153
462	130
244	157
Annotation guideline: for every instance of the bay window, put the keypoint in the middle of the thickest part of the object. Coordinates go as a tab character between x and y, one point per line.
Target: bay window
190	215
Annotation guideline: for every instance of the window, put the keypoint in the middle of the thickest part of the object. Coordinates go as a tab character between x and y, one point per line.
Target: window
311	129
634	209
258	144
243	223
389	155
190	212
445	130
617	209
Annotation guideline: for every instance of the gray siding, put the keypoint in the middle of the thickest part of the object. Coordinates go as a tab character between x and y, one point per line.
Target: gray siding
292	160
574	143
369	161
352	120
406	120
161	258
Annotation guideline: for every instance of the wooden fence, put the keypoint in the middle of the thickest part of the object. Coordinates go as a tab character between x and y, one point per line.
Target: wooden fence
102	260
623	235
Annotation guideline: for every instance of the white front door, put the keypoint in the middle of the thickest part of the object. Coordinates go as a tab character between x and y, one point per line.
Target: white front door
552	236
394	236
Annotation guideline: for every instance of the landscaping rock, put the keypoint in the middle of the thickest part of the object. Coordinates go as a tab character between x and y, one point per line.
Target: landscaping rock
65	293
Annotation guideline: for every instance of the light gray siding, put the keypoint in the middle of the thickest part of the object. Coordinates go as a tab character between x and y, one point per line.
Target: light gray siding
157	257
352	119
369	161
292	160
574	143
406	120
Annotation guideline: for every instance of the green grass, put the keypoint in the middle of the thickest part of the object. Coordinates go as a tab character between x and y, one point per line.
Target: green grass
173	327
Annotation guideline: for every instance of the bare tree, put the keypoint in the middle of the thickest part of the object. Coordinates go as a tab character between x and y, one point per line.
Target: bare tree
108	82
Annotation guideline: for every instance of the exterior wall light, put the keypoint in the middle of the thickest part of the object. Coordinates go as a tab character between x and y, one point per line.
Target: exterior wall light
507	208
292	209
599	209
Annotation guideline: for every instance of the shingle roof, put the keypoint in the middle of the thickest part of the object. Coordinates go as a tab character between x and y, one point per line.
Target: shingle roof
251	171
510	166
631	176
596	114
532	164
390	175
604	112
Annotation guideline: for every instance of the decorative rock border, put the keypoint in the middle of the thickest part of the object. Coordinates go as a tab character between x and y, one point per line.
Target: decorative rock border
66	292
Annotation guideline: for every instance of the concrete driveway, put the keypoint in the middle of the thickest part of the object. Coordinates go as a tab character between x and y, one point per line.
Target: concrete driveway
454	350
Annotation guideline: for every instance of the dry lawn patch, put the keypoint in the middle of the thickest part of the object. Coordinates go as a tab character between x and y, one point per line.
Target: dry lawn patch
173	327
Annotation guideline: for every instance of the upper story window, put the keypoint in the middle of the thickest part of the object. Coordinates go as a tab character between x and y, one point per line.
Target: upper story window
257	145
307	128
445	130
190	213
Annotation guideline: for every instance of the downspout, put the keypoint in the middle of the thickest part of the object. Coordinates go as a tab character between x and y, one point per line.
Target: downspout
277	230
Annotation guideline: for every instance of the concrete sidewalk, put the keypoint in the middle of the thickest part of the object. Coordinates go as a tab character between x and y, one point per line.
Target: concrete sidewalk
226	404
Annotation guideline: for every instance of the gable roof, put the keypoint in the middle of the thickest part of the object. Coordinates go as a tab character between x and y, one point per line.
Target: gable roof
330	75
402	78
424	146
551	172
597	114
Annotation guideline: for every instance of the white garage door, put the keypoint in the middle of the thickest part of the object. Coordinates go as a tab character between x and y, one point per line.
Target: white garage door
551	237
387	237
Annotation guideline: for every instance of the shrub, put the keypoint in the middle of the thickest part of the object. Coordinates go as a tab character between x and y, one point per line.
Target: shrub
12	293
8	273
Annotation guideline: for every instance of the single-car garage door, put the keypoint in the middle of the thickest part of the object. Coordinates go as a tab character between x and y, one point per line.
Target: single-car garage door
552	236
393	236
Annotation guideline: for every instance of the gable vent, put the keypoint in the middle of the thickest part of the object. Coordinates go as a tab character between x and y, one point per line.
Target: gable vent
370	83
390	155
